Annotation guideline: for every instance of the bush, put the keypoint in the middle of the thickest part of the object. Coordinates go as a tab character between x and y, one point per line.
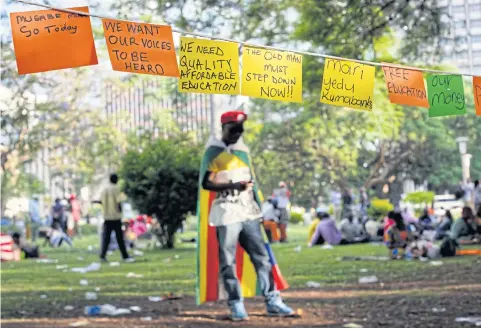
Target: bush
296	218
422	198
161	179
379	208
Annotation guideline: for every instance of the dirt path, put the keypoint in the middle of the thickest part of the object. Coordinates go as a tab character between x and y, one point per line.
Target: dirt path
408	304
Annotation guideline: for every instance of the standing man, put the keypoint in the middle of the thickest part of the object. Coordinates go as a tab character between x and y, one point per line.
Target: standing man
282	195
111	202
76	213
35	217
231	217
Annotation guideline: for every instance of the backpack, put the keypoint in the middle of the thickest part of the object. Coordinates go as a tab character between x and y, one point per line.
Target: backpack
448	248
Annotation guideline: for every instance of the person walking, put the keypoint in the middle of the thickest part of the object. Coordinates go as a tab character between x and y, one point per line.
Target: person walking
76	213
282	196
112	210
235	213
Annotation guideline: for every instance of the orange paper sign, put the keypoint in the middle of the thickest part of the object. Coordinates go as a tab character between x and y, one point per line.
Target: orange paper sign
405	86
477	94
141	48
46	40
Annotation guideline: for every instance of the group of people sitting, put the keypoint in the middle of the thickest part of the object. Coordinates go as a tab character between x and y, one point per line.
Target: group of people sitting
401	232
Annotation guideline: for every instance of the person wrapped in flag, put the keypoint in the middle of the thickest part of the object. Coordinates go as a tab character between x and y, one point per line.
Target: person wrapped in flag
233	258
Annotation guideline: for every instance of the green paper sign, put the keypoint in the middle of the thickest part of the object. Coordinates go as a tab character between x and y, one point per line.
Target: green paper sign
445	95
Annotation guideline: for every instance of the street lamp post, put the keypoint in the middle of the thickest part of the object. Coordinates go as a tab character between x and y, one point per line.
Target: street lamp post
465	157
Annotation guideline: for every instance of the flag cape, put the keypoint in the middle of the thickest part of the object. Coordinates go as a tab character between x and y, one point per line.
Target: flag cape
209	282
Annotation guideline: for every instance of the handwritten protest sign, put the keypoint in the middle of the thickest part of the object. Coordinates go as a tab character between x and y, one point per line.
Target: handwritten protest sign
445	95
46	40
477	94
348	84
405	86
272	74
141	48
208	66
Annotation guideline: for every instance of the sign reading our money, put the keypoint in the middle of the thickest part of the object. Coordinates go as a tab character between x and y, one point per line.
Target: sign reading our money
477	94
347	83
208	66
140	48
446	95
46	40
405	86
272	74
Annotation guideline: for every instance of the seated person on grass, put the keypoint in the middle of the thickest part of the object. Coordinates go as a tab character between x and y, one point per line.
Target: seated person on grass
352	232
397	236
442	229
271	218
326	231
465	229
29	250
374	229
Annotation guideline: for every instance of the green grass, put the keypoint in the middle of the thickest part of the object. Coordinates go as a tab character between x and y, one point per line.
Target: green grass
24	282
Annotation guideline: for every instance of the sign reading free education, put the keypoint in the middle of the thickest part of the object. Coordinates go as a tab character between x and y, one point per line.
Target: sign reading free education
47	40
405	86
208	66
446	95
141	48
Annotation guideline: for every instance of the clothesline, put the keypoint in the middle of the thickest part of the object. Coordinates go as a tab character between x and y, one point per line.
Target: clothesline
250	44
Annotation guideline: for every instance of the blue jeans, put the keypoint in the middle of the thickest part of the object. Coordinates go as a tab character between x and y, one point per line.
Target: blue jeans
249	235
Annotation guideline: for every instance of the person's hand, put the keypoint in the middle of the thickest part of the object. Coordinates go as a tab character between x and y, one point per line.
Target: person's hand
242	186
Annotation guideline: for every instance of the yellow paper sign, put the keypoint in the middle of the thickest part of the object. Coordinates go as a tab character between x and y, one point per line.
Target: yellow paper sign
348	84
272	74
207	66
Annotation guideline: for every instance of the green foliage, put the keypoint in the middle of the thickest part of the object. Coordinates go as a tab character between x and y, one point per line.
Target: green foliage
161	178
296	218
379	208
420	198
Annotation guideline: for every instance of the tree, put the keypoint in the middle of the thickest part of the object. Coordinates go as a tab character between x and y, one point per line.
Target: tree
161	178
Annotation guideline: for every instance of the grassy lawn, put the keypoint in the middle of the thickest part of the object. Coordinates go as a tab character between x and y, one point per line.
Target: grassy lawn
166	271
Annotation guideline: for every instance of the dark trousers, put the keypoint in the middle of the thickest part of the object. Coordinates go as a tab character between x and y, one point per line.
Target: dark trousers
109	226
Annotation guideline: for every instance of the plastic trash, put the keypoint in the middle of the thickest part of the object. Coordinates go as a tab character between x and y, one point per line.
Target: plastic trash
167	260
298	249
68	308
80	258
92	310
327	246
439	310
107	309
155	299
97	288
176	256
134	275
352	325
470	319
122	311
138	253
47	261
146	318
92	267
368	279
135	308
436	263
84	283
61	267
363	270
90	296
114	264
90	248
312	284
43	296
70	289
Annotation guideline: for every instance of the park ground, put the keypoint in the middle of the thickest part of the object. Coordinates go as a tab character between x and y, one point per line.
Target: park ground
408	293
